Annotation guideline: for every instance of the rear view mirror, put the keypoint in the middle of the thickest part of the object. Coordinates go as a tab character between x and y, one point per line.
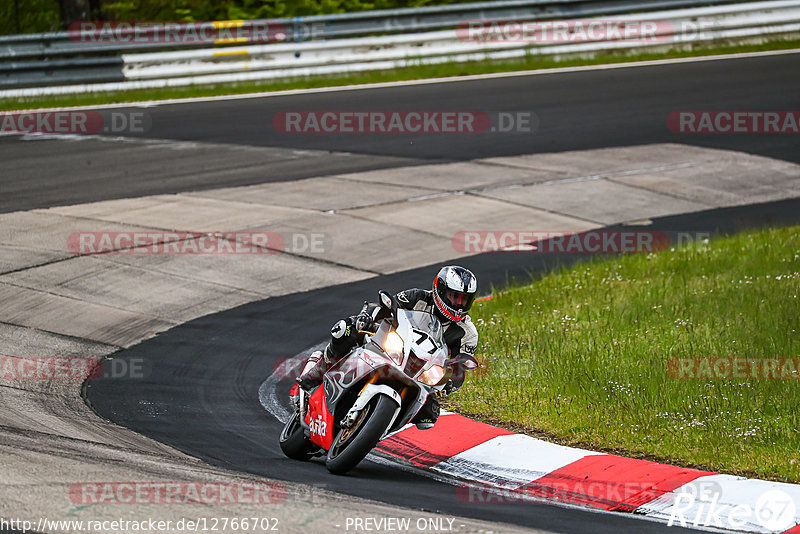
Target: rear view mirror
464	362
470	363
390	303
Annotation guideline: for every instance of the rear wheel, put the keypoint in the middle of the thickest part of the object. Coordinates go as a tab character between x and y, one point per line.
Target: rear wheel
352	444
294	443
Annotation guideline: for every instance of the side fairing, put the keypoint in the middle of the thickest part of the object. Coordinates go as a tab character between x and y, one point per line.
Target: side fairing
319	420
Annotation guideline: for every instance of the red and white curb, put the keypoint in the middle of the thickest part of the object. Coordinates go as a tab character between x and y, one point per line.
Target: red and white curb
523	467
500	466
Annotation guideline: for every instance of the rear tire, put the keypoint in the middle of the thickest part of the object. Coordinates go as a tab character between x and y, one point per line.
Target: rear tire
349	448
293	441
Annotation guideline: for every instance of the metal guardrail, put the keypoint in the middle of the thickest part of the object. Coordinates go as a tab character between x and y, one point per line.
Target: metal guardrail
723	21
298	29
56	72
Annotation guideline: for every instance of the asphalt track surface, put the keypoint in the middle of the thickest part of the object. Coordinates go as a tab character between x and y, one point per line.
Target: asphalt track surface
576	110
201	395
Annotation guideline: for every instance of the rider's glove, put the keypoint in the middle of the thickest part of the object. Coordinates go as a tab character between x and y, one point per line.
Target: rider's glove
363	321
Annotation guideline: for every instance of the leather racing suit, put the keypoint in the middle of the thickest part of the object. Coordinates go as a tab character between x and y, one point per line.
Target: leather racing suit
461	338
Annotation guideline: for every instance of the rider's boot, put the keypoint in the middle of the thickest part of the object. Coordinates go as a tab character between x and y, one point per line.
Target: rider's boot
344	336
427	415
314	370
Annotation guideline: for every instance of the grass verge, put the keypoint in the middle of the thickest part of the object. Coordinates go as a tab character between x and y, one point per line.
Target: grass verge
530	62
581	355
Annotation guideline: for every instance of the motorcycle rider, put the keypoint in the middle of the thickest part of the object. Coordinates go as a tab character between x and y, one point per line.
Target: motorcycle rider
450	300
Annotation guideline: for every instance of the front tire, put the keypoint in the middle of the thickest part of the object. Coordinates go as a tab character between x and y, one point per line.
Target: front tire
351	445
293	441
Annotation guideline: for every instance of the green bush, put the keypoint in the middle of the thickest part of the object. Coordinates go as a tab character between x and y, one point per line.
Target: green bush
35	16
199	10
29	16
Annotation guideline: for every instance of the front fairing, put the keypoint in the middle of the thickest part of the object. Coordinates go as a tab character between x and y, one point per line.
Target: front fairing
423	343
422	351
361	364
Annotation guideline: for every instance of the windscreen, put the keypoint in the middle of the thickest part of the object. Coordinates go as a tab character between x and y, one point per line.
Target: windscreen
425	322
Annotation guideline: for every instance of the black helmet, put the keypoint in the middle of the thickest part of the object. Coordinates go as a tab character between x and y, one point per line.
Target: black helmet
454	291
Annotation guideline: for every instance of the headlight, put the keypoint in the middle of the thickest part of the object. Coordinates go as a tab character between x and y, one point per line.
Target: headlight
393	344
432	376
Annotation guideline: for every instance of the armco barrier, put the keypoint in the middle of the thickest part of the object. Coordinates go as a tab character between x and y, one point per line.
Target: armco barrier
44	45
728	22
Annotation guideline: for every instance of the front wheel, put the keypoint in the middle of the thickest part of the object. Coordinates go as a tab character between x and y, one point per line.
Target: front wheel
352	444
294	443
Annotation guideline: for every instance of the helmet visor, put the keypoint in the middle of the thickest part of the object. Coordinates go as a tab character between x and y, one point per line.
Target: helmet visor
458	301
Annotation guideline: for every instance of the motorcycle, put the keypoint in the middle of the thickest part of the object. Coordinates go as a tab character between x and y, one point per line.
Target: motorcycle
372	392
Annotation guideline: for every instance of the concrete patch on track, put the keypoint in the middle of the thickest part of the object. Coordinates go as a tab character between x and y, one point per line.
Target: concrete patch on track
181	212
461	176
132	165
61	304
571	197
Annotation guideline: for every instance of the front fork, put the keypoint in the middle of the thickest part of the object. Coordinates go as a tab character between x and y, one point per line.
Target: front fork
366	395
300	402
